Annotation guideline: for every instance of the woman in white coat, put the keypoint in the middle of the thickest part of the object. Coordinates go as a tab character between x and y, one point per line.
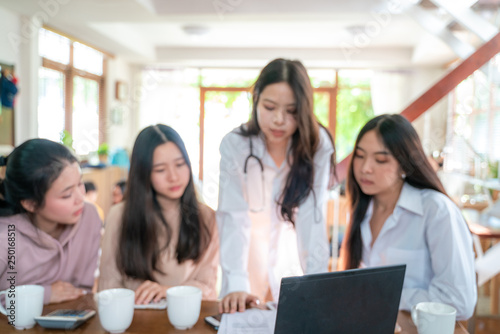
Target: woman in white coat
401	215
275	171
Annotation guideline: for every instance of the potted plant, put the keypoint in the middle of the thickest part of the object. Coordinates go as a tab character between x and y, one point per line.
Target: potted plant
67	140
103	152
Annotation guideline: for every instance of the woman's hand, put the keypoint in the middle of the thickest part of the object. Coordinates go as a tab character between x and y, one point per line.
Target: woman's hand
63	291
237	301
150	291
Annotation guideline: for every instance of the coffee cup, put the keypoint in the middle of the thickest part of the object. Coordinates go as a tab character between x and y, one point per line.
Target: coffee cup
434	318
22	304
116	309
183	306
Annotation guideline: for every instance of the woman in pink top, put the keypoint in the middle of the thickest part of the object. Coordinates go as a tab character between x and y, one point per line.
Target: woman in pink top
48	235
160	235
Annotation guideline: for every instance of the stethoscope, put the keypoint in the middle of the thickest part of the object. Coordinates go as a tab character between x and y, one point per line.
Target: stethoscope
263	198
261	165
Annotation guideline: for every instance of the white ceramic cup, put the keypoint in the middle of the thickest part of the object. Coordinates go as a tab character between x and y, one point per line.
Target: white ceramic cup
116	309
22	304
434	318
183	306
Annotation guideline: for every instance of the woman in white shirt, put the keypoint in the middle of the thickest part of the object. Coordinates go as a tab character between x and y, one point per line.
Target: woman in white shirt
275	171
402	215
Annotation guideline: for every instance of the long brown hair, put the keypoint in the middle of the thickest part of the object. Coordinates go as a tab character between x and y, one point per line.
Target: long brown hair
139	248
401	139
305	140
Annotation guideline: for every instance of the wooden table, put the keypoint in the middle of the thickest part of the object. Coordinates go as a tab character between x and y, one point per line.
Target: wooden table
156	321
484	231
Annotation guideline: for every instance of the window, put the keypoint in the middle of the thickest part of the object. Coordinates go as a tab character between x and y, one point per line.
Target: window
71	92
87	59
354	108
51	114
54	46
475	123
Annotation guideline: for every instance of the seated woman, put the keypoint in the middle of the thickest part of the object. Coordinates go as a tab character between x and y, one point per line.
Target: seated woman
160	235
400	214
118	192
57	234
91	194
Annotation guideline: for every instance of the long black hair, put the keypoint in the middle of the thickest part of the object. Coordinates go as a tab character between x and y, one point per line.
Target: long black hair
401	139
143	221
305	140
30	171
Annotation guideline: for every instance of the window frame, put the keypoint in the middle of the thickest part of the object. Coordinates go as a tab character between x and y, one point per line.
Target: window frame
70	72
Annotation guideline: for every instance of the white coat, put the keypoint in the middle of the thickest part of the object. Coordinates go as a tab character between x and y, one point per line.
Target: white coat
259	248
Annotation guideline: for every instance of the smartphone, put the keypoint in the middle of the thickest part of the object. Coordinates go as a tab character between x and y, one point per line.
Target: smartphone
161	305
64	319
214	321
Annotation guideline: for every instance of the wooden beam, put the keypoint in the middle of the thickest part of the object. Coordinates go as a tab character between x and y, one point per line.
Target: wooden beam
452	79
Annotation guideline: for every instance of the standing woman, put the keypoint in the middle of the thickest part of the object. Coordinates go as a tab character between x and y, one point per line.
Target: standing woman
402	215
56	234
274	175
160	235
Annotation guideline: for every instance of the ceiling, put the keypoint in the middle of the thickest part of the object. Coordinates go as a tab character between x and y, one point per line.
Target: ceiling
333	33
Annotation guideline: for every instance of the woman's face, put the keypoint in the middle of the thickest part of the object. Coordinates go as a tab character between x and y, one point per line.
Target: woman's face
64	200
375	169
117	195
170	175
276	113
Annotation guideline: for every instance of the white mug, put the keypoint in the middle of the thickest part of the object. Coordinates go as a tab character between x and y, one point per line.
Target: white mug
183	306
22	304
116	309
434	318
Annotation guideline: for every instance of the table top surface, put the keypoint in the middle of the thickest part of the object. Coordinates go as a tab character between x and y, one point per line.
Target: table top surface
484	231
156	321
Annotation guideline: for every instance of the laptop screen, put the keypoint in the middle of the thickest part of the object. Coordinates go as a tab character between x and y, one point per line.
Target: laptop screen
351	301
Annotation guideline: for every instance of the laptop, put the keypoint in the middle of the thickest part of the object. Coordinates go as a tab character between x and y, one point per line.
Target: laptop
352	301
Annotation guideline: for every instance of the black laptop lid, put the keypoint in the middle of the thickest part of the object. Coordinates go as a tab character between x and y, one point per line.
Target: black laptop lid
352	301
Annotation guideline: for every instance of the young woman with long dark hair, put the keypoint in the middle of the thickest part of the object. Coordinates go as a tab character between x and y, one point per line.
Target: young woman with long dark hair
43	215
275	171
400	214
160	235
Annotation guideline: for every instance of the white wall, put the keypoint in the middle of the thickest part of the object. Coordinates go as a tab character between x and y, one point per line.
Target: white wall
431	126
9	25
393	91
20	48
19	40
120	131
30	62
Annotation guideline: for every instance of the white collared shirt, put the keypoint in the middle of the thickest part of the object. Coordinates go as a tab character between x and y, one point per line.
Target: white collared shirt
262	241
426	232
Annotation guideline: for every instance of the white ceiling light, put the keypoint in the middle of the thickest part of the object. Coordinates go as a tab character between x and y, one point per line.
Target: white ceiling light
355	29
196	30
